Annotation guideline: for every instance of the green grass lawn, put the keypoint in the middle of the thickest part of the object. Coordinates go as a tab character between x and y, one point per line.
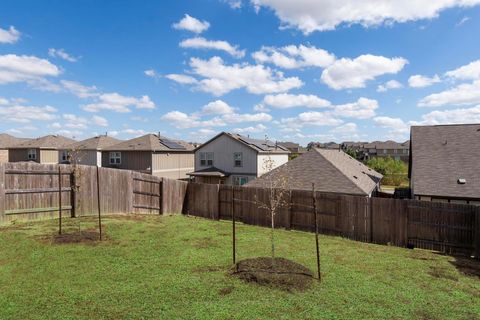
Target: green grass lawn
176	267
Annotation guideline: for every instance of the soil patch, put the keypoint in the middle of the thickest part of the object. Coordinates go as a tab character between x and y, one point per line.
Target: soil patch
225	291
467	266
442	273
277	273
85	236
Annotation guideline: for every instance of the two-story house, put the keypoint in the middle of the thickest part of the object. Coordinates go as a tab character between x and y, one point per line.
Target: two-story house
395	150
46	150
152	154
230	158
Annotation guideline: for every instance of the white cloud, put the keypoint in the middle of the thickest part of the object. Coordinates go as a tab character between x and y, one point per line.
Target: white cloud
219	79
134	132
9	36
181	78
347	129
453	116
70	133
15	68
256	129
60	53
354	73
392	84
247	117
118	103
11	111
470	71
292	57
322	15
313	118
191	24
463	94
234	4
100	121
464	20
79	90
285	100
260	107
150	73
217	107
419	81
202	43
396	126
363	108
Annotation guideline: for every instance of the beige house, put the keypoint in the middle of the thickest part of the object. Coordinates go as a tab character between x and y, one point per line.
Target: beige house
87	152
445	163
153	154
389	148
6	142
44	150
230	158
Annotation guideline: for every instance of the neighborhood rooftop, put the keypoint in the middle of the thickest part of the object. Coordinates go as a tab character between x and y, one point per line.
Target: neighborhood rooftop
259	145
151	142
94	143
45	142
8	141
446	160
330	170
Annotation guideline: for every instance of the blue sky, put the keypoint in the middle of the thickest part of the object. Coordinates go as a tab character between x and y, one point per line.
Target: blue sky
309	70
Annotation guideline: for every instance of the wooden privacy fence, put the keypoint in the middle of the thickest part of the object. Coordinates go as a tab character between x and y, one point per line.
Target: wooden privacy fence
445	227
31	191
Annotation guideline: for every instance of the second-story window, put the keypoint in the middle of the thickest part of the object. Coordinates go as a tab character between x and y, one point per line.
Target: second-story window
206	158
115	158
238	159
32	154
64	156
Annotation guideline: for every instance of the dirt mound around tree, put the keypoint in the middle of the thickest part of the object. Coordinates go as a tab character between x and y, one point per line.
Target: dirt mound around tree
277	273
85	236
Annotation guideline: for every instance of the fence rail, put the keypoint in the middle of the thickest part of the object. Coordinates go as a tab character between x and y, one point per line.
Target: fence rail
33	191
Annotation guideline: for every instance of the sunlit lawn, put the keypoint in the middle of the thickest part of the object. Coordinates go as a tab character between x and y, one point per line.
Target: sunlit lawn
178	267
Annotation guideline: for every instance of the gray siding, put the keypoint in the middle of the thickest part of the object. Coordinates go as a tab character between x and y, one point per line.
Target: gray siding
224	148
131	160
18	155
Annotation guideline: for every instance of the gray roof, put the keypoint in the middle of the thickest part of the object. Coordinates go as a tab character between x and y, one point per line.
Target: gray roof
94	143
259	145
151	142
389	144
8	141
331	171
441	155
46	142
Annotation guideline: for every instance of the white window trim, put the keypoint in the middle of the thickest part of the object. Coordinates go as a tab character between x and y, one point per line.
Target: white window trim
235	159
115	155
204	156
32	154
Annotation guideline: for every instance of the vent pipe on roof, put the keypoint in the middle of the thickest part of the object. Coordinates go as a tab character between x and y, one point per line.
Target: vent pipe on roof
461	181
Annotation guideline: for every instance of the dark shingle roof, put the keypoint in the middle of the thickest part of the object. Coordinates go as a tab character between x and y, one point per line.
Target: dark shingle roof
389	144
443	154
151	142
94	143
8	141
330	170
46	142
259	145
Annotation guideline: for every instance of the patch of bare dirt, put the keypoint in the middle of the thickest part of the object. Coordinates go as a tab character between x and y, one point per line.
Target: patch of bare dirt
84	236
225	291
277	273
467	266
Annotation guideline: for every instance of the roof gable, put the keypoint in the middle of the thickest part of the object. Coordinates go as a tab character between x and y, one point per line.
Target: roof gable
94	143
153	143
8	141
260	146
46	142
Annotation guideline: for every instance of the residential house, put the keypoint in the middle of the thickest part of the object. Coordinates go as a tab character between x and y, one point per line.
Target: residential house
44	150
445	163
233	159
332	171
6	142
328	145
395	150
153	154
88	151
294	148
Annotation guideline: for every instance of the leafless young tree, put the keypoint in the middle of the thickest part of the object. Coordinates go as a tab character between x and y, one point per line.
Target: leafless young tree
277	194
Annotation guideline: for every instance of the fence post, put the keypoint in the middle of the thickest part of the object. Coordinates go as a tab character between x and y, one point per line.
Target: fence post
218	201
160	197
233	225
370	211
99	204
2	189
289	211
59	199
316	230
477	234
73	191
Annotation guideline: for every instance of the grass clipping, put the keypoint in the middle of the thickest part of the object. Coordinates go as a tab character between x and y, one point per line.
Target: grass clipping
277	273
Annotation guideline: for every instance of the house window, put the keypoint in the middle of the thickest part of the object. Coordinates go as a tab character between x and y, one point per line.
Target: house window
64	156
238	159
115	158
206	158
385	151
32	154
240	181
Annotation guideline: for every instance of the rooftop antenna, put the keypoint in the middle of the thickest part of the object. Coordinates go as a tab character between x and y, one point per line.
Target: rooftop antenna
106	133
